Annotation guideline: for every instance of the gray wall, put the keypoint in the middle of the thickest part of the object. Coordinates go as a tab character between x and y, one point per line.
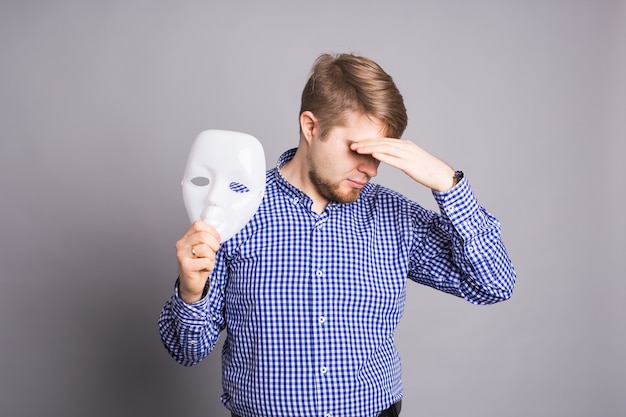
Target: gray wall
99	104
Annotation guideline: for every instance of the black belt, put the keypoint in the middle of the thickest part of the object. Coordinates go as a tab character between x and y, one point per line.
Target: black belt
392	411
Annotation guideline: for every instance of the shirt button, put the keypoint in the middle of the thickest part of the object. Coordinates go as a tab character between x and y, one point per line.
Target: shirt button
328	415
323	370
322	319
452	209
295	200
319	273
470	249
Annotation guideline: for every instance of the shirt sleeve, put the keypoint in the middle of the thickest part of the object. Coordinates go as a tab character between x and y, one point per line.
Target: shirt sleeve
189	332
461	251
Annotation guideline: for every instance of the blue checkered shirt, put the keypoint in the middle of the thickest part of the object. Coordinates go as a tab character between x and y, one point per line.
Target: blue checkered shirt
310	302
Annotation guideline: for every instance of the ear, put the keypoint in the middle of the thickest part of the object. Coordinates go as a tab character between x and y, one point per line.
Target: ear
308	125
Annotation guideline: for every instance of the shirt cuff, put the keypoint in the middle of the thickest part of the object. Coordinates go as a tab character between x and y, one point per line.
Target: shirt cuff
189	312
459	203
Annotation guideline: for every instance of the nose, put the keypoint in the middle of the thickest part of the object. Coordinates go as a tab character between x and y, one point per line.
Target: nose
368	165
217	192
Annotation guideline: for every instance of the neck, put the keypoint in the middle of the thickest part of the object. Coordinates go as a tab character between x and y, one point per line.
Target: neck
295	172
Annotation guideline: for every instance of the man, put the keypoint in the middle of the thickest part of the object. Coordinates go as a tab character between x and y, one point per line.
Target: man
311	290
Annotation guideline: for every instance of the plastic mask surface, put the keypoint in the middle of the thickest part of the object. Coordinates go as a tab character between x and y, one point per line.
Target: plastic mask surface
224	180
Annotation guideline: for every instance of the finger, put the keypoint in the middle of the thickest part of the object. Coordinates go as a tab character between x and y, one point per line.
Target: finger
197	250
202	250
379	145
211	240
191	267
199	232
393	152
201	226
201	260
197	245
389	159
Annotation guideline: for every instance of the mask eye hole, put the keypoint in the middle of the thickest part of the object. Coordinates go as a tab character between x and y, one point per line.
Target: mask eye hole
238	187
200	181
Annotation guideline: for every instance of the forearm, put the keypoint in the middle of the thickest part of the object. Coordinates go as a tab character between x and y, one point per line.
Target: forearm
189	331
486	272
463	254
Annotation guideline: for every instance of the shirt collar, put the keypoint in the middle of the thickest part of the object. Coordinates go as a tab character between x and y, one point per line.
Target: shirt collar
292	192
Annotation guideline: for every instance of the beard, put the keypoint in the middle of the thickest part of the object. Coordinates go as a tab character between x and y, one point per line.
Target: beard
331	190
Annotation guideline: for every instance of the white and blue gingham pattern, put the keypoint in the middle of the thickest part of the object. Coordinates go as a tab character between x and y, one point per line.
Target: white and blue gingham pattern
310	303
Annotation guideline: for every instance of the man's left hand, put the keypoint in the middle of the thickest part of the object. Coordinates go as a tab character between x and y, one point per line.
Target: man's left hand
414	161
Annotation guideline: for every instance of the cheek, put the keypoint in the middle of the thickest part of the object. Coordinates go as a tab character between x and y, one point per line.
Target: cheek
331	159
333	166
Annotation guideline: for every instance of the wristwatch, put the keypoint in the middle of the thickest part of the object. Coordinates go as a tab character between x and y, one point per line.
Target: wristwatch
458	176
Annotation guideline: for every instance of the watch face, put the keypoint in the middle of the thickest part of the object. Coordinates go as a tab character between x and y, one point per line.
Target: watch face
458	176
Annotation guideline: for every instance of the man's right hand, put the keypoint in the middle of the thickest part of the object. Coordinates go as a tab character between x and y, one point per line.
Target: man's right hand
195	252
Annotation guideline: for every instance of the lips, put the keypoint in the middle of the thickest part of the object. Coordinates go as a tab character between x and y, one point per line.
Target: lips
357	184
214	215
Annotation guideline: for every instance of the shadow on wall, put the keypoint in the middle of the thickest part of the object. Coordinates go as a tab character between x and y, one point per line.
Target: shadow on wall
86	342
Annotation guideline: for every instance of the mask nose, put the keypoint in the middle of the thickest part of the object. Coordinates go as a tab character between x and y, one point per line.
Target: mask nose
217	198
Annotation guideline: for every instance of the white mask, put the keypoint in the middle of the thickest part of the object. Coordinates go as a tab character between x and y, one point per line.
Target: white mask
224	180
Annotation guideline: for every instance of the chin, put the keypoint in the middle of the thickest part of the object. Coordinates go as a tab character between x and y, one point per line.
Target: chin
348	196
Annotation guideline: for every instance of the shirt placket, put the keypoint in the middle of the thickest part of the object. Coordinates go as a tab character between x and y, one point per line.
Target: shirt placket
321	286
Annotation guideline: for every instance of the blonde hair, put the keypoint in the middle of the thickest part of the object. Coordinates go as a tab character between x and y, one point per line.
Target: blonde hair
346	82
